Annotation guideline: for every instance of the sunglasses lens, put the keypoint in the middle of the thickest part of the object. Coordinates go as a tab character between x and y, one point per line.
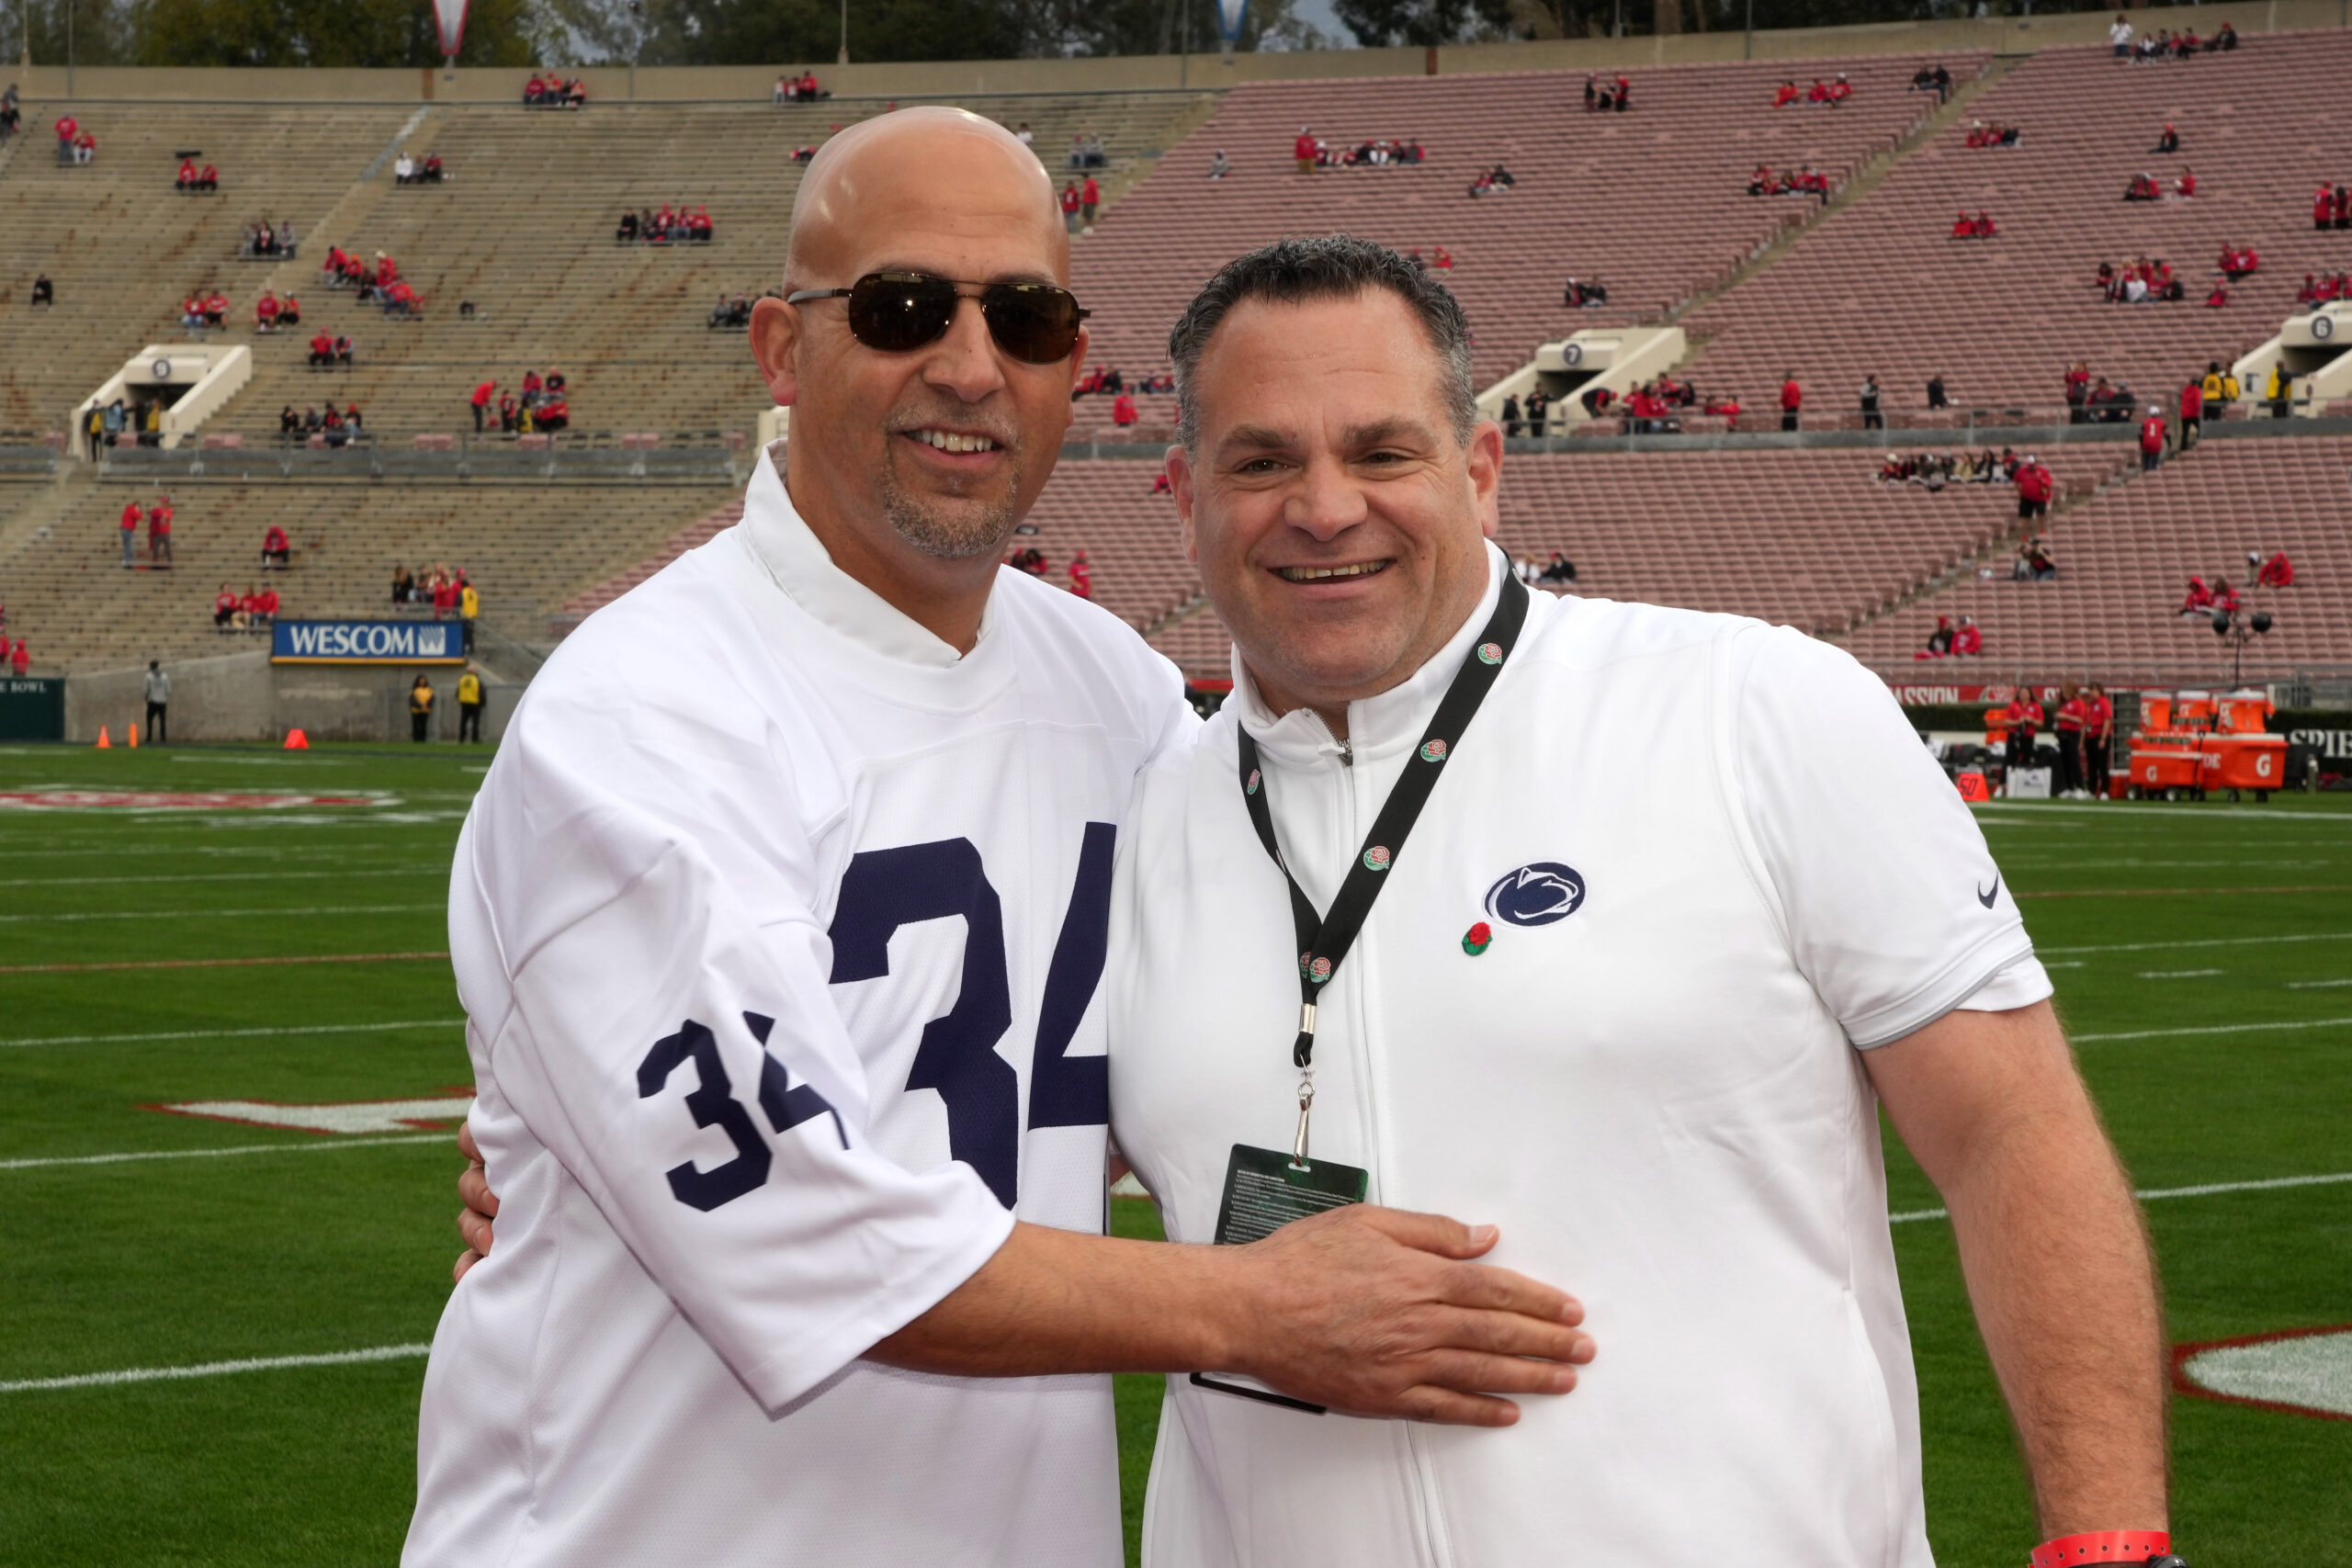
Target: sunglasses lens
1032	321
899	311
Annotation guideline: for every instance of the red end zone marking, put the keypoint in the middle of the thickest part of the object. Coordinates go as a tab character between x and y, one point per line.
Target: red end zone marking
219	963
2182	1355
162	800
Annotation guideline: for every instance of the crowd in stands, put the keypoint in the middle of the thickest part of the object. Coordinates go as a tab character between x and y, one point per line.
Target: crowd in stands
2316	290
801	89
1579	295
2331	207
202	309
264	242
1980	227
74	143
1965	640
1440	259
1033	561
271	312
673	223
12	114
1993	135
329	353
1614	97
2140	281
192	178
1101	382
1830	94
552	91
407	171
2217	601
158	519
1934	472
2238	265
1496	181
2137	48
1080	201
2144	186
449	590
1807	181
1382	152
733	312
1087	150
1558	571
377	283
542	406
2096	402
2033	562
1936	79
249	610
335	427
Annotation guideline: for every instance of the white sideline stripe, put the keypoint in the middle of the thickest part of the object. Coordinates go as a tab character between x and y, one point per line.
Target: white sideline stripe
2212	1029
2204	941
349	872
224	914
2124	810
307	1145
239	1033
217	1368
2151	1193
2314	984
2178	973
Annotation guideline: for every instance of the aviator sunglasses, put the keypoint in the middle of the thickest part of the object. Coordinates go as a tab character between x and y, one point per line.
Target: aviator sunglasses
897	312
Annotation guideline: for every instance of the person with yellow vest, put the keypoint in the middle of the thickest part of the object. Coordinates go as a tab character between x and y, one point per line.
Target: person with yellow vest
469	699
469	606
420	708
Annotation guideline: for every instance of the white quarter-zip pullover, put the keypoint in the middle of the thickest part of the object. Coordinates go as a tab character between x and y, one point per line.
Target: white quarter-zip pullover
1715	861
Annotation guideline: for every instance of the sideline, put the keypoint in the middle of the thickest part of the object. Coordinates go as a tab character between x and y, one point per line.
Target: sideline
216	1368
2168	892
235	1033
2212	1029
2150	1194
224	914
2150	808
219	963
2202	941
305	1146
345	871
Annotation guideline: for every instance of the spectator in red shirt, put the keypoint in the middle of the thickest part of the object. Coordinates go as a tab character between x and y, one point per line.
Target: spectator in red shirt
1304	150
265	605
1089	195
1069	206
2187	185
2276	573
1969	640
225	608
1840	90
2199	599
1081	575
2153	435
2035	488
66	125
186	180
2324	207
2219	297
1792	400
130	517
1963	227
2024	716
159	533
209	179
2073	713
1787	95
216	309
265	313
1123	408
2098	729
2192	411
1939	641
480	400
21	659
275	552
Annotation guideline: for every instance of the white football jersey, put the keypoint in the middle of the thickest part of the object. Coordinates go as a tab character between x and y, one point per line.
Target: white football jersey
778	928
1713	860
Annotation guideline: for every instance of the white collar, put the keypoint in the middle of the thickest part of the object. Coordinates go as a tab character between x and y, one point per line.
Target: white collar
1376	725
793	555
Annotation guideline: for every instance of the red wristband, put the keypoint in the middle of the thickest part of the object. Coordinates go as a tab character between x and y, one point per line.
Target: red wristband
2101	1546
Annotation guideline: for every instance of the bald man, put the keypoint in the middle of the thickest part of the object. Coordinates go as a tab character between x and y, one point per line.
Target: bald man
780	975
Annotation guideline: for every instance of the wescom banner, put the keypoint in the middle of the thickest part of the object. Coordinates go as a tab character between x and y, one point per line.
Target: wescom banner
367	642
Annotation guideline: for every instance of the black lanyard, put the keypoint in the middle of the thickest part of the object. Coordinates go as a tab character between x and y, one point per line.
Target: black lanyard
1324	940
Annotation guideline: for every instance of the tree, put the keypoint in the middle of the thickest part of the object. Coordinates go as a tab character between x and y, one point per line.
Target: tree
1383	23
362	33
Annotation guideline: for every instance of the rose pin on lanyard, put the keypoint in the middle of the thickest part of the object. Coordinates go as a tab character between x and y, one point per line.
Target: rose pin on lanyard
1267	1188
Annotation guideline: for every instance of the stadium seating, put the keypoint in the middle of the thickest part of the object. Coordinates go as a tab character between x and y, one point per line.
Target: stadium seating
2124	563
1881	288
1652	202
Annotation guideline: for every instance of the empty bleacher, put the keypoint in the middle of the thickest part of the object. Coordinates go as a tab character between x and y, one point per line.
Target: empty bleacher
1881	288
2125	560
1651	203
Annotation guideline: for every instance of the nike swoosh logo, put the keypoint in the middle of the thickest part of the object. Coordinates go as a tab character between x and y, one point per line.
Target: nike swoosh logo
1986	897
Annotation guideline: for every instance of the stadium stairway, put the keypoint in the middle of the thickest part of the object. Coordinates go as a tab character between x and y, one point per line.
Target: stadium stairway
1881	288
2125	558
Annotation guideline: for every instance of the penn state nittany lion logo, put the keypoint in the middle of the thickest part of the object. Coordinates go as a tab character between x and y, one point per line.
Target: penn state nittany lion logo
1375	858
1434	752
1537	895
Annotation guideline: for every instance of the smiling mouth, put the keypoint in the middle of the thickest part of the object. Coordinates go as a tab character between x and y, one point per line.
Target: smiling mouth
954	440
1332	573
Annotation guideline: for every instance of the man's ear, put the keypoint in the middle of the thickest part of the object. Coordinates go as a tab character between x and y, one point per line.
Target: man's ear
1180	479
1485	466
775	337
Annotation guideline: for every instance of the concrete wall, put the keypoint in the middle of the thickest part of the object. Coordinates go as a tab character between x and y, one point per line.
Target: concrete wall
243	696
47	83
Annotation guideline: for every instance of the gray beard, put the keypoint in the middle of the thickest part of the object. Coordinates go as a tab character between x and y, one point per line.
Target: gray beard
942	536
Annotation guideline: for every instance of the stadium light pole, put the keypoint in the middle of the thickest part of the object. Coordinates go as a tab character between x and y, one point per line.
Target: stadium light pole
636	43
844	55
1747	48
68	50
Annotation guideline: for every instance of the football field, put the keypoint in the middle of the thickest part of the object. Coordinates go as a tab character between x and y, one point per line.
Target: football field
230	1048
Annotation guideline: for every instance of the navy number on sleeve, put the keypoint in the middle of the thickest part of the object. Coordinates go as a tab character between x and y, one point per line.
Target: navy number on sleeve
885	889
713	1102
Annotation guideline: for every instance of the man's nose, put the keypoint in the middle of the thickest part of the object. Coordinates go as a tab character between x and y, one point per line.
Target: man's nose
1327	502
964	361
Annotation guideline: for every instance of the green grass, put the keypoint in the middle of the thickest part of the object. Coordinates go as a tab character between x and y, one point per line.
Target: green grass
177	1262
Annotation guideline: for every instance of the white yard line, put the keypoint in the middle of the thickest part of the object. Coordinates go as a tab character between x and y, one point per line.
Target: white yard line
2150	1194
2121	810
217	1368
223	914
2212	1029
307	1145
348	872
2178	973
2202	942
238	1033
2315	984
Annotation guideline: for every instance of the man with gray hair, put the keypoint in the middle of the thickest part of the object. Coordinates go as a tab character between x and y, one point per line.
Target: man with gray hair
1617	922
